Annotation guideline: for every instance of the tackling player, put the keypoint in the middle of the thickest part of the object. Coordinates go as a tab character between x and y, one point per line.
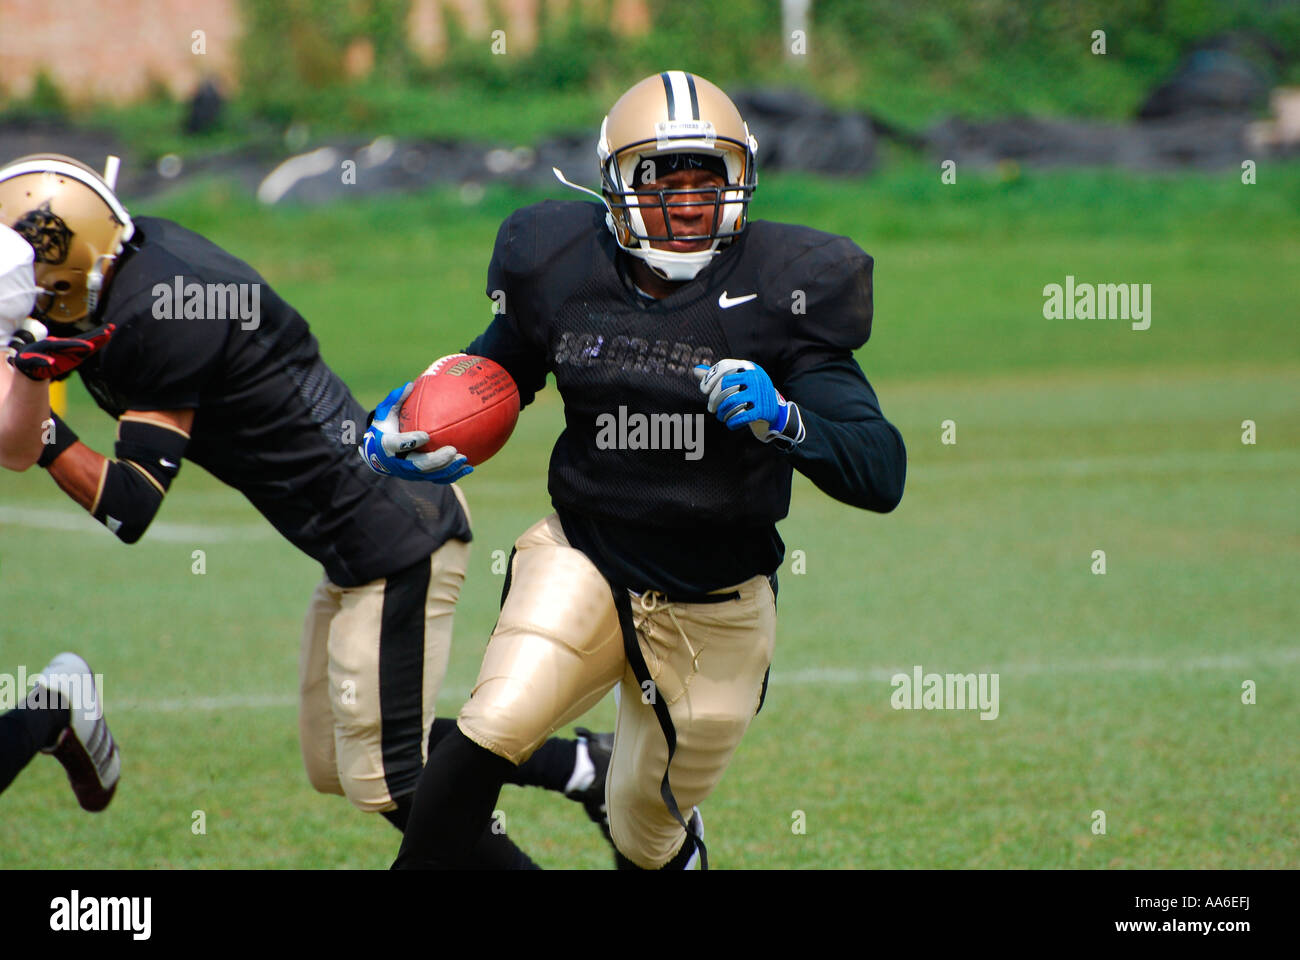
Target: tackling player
656	575
196	357
48	720
24	404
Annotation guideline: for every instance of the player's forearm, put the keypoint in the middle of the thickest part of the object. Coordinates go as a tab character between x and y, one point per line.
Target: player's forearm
24	407
850	451
861	463
79	471
124	494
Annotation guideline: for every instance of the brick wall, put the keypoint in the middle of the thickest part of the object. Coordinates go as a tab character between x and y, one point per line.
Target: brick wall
111	50
97	50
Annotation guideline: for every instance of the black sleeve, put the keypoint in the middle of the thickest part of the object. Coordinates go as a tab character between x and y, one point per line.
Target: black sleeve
511	340
851	452
526	366
162	364
825	296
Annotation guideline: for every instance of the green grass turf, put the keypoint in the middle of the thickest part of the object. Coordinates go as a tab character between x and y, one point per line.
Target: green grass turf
1119	693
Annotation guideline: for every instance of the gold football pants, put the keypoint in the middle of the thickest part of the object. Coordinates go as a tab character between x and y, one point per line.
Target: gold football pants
557	650
372	661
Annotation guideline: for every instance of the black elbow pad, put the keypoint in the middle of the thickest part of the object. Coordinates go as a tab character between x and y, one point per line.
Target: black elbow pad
148	459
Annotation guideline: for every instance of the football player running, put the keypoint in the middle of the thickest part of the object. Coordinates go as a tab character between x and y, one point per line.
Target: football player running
656	574
157	321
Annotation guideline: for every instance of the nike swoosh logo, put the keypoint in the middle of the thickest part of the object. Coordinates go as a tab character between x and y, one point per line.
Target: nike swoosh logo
725	301
166	463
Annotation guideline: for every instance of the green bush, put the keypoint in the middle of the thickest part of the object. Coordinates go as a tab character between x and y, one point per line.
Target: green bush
910	62
45	101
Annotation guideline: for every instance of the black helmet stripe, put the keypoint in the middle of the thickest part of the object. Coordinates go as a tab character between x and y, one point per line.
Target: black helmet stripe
685	84
668	89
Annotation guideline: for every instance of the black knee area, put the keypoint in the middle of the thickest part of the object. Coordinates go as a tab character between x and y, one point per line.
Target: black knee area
441	727
453	805
399	816
550	766
472	760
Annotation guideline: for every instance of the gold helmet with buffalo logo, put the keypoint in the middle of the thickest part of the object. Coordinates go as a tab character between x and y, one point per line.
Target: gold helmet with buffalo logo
76	225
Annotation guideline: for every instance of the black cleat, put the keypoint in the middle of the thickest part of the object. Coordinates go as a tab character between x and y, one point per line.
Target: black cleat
599	748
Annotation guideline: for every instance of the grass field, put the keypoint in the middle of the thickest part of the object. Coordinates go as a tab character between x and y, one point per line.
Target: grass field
1119	692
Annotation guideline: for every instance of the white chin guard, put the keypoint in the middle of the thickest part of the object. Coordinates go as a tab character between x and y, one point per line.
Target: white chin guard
672	264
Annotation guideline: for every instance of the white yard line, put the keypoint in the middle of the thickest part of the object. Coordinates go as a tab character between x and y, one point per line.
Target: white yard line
1236	661
451	697
251	701
77	522
1115	465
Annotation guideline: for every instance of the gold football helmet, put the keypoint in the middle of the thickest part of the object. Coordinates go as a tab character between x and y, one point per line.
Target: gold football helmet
77	227
674	113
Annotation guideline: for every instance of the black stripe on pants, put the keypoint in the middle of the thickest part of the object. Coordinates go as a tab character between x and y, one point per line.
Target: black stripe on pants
401	676
636	660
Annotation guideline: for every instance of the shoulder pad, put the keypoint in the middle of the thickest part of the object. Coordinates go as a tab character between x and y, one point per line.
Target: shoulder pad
820	281
532	238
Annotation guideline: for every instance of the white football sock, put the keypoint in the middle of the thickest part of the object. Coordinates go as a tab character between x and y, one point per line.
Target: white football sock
584	771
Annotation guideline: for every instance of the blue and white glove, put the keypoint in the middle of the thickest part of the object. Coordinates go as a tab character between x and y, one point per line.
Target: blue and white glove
741	392
385	448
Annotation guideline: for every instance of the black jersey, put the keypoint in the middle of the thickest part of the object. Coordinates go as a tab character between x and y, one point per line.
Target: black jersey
654	488
271	419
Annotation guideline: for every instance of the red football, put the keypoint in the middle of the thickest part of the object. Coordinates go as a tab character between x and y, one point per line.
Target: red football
463	401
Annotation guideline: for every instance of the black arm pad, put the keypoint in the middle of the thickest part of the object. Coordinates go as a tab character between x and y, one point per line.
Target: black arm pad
148	459
152	447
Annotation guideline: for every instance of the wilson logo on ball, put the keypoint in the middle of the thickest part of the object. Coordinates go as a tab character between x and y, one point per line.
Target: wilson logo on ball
462	401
